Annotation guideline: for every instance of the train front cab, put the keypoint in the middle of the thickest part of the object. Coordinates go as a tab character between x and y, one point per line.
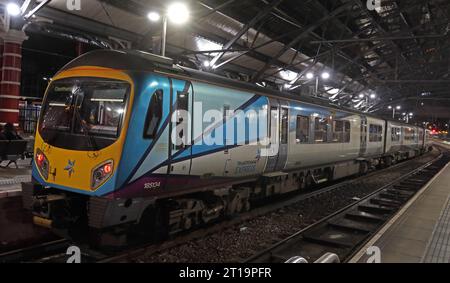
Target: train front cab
78	144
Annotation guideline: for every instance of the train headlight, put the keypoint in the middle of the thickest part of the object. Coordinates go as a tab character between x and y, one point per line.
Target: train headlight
101	173
42	163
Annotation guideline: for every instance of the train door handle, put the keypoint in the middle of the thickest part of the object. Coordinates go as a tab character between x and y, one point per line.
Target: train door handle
171	168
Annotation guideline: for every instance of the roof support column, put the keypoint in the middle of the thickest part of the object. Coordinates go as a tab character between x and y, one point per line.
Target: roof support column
11	69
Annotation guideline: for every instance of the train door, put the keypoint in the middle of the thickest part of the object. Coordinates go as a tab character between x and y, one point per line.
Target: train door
278	135
363	147
274	131
180	137
284	137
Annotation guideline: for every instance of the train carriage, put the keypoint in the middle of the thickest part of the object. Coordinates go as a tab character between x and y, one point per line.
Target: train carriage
127	139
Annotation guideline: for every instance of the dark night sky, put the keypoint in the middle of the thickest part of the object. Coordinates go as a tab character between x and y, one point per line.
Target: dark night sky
42	57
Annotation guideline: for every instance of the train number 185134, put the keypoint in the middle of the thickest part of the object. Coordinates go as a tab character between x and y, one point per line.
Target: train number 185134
152	185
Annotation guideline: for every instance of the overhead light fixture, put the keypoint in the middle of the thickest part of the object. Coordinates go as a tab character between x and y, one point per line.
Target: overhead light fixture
325	75
13	9
206	64
178	13
309	76
361	95
373	96
389	107
399	107
154	16
288	75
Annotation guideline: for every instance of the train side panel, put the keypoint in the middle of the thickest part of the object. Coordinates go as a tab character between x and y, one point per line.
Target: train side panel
321	136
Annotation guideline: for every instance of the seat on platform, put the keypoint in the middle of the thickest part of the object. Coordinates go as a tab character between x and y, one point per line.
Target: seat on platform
12	151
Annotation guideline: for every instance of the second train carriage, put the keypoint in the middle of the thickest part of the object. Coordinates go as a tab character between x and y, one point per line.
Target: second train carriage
105	156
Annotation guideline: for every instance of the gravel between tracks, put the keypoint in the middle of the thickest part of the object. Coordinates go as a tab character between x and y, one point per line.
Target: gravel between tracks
240	242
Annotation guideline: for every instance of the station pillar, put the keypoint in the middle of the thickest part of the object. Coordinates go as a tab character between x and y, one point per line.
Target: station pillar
11	68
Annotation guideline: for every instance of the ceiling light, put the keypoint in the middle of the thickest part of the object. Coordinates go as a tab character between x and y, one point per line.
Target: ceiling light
153	16
325	75
309	76
178	13
13	9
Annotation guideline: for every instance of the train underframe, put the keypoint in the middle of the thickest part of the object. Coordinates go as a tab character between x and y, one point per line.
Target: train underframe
107	222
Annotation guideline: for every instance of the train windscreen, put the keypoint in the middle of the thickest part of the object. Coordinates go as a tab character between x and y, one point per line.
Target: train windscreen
88	110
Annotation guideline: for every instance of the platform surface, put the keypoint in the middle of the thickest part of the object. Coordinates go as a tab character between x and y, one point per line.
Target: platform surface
421	231
11	177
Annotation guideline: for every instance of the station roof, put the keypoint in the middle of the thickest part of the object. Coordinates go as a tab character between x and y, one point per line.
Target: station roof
378	56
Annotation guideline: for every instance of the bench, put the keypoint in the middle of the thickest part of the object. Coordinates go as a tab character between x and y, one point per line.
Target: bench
12	151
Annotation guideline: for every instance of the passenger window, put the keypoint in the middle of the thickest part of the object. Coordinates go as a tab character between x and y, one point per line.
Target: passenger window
154	115
338	131
347	131
395	134
375	133
302	133
320	130
181	108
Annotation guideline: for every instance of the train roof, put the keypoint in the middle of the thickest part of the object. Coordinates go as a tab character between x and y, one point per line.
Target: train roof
134	60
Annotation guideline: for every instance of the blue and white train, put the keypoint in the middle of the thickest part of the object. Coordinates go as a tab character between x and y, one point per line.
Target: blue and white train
105	158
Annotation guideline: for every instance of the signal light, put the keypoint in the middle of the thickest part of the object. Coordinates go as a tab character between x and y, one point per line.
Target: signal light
107	168
40	158
42	164
101	174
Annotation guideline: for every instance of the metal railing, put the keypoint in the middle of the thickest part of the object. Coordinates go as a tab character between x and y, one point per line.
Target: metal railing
28	118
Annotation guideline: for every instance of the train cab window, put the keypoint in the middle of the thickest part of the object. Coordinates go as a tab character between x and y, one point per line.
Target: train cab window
320	130
284	126
302	133
154	115
375	133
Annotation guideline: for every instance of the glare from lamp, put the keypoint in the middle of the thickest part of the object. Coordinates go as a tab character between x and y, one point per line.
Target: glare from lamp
325	75
309	76
153	16
178	13
13	9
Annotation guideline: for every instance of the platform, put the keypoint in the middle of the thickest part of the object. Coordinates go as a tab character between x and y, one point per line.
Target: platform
11	178
421	230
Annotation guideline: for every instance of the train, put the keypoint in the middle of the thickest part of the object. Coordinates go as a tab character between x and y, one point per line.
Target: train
129	142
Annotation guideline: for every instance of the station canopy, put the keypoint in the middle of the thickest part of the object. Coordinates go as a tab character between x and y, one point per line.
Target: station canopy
368	55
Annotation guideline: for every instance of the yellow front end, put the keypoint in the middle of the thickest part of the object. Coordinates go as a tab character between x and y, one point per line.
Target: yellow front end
74	169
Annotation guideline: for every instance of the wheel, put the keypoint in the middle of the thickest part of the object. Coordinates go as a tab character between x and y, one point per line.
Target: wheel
153	224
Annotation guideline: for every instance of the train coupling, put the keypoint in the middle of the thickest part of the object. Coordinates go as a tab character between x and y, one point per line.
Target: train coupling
42	222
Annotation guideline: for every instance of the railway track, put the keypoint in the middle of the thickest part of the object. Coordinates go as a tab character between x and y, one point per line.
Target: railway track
56	251
256	212
338	236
